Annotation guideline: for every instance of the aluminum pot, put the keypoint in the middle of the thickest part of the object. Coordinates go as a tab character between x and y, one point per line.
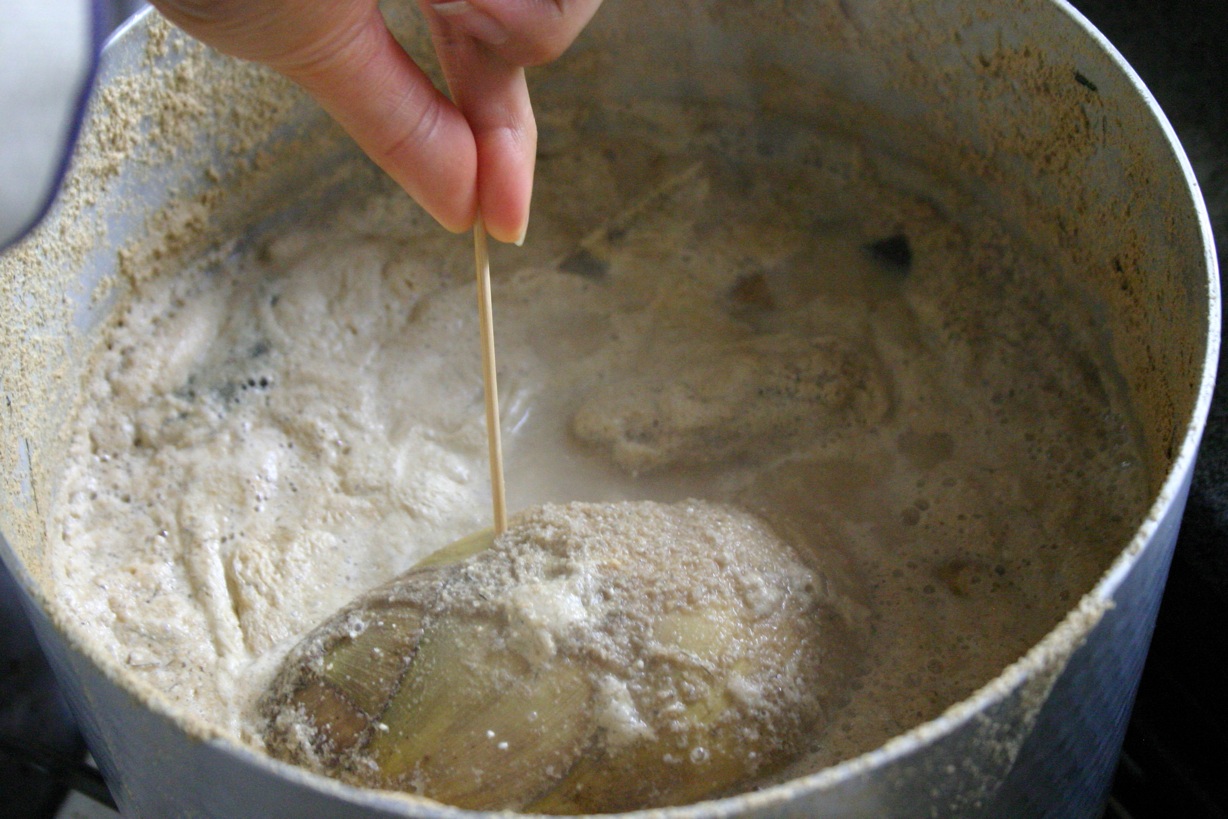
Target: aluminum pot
1022	95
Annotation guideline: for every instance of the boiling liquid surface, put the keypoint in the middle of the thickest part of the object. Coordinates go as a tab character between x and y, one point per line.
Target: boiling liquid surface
838	341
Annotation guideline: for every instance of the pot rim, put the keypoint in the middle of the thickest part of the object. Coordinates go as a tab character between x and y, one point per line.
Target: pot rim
1055	644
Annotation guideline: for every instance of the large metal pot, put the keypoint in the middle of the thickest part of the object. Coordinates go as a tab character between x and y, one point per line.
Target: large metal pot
1025	95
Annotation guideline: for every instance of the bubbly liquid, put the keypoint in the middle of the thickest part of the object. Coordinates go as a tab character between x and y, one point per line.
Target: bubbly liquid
837	341
597	657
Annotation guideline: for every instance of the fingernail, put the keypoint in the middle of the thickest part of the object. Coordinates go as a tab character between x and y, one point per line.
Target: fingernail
518	241
477	24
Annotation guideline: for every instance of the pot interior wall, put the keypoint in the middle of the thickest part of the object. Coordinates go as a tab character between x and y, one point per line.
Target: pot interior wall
1017	111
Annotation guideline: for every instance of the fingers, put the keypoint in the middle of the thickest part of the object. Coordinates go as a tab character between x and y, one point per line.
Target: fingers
343	55
493	96
453	159
482	46
522	32
498	109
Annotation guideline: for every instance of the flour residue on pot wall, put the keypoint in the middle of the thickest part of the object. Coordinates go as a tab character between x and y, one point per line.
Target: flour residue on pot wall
710	305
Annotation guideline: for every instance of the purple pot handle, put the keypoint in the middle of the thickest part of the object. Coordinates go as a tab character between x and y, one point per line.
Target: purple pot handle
38	131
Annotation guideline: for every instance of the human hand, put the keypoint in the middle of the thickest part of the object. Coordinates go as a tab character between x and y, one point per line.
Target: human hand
453	157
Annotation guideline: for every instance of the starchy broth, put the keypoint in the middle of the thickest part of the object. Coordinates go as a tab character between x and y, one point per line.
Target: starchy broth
785	321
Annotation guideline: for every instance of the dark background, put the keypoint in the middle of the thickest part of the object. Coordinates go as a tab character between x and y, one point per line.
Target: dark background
1176	751
1176	748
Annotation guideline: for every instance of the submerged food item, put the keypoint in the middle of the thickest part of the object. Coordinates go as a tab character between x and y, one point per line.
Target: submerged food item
801	389
599	657
751	313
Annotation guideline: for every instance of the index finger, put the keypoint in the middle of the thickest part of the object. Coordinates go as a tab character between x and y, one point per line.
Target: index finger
399	119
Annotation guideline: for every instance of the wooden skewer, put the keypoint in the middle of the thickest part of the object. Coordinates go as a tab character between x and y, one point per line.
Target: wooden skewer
486	323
